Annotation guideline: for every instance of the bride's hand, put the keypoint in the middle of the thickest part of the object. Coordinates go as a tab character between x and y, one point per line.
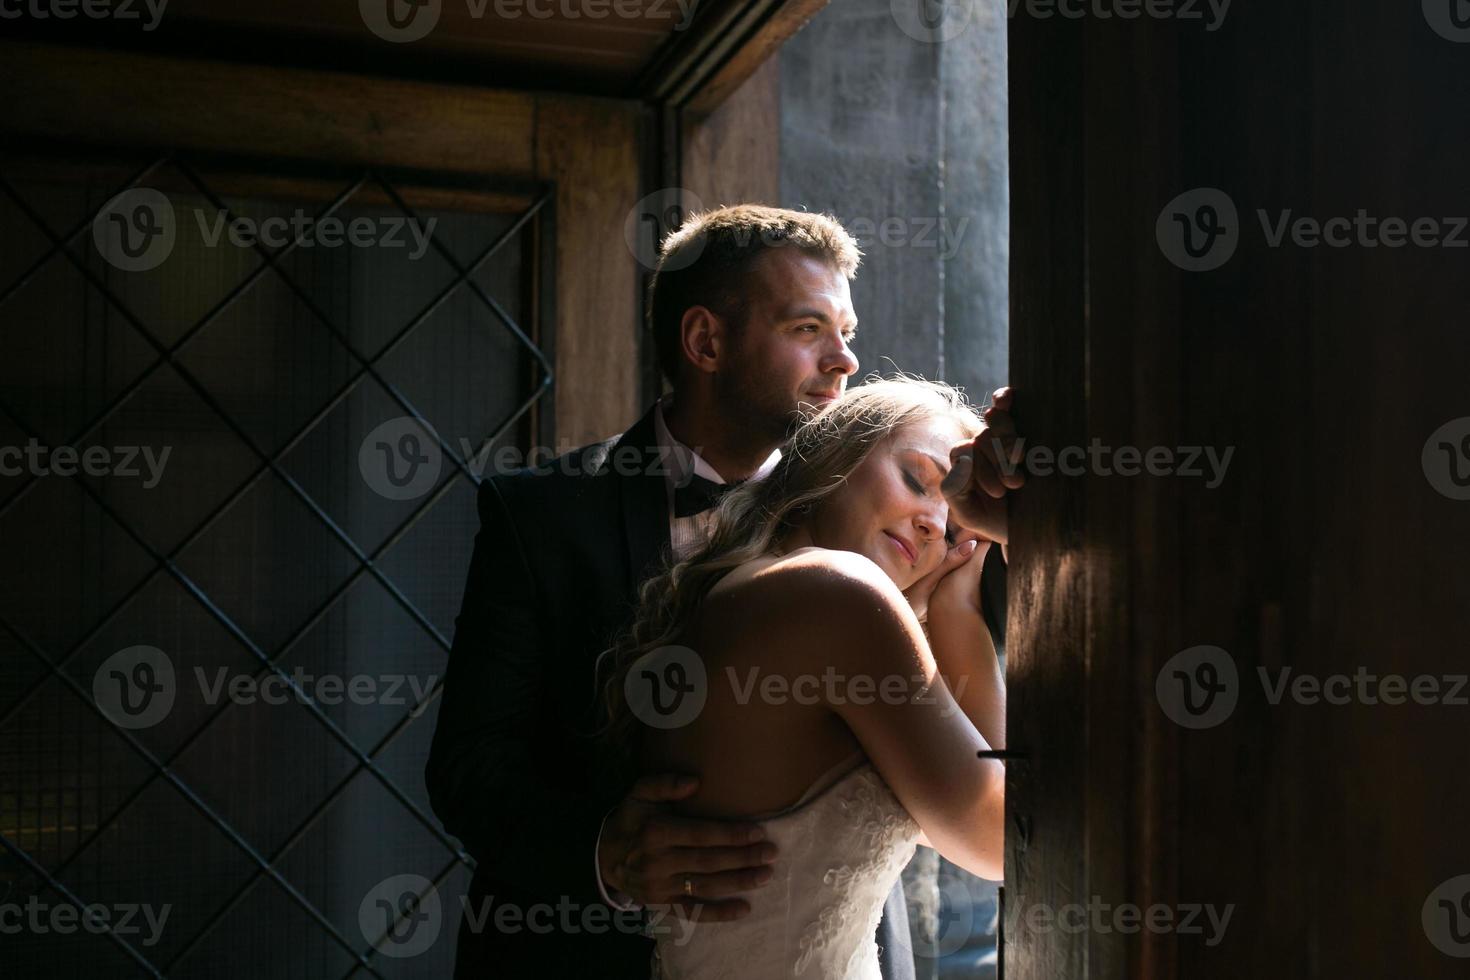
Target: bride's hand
921	593
959	589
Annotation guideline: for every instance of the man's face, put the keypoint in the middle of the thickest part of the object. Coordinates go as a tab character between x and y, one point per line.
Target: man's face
792	348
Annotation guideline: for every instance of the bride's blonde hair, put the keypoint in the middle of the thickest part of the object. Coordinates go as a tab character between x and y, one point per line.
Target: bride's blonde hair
816	460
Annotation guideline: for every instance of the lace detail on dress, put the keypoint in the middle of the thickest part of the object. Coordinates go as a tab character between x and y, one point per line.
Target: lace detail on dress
840	855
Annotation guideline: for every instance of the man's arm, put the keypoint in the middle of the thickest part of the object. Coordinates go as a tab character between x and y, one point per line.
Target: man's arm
498	795
488	776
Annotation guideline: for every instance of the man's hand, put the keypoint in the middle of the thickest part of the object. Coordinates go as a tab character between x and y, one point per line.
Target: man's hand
647	852
983	470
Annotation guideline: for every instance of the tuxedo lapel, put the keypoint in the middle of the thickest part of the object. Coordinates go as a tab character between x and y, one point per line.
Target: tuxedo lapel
635	464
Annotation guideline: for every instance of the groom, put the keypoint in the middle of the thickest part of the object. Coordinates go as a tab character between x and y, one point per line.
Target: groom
751	316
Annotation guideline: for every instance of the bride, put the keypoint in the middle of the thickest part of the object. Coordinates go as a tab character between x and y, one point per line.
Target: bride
811	693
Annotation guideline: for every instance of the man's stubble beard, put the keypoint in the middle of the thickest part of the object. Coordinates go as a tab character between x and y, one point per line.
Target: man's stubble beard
769	415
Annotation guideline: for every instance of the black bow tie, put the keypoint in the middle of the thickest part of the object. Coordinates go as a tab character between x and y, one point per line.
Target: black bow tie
699	495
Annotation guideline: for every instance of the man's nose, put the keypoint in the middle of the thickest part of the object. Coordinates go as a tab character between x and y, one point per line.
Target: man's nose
840	359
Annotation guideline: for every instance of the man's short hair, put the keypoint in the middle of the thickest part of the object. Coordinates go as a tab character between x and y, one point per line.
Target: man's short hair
707	261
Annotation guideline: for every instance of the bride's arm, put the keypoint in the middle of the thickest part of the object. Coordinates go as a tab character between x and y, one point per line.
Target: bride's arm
924	744
963	650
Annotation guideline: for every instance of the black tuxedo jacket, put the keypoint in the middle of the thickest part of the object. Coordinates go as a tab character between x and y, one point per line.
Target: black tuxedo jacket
512	769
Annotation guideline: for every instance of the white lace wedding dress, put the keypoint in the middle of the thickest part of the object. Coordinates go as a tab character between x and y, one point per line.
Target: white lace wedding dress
842	846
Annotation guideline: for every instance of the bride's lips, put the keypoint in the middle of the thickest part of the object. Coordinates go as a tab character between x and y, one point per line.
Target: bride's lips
905	547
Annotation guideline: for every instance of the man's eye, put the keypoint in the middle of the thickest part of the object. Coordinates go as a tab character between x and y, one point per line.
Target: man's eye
809	327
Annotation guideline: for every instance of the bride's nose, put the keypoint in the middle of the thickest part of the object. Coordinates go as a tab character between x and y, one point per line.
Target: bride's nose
931	522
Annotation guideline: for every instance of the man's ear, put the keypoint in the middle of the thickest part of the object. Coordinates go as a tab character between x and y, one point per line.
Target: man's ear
702	338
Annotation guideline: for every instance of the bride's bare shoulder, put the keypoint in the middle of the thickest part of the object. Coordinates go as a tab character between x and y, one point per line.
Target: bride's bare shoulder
838	580
817	606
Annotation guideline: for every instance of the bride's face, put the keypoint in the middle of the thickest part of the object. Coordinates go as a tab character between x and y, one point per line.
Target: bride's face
891	509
